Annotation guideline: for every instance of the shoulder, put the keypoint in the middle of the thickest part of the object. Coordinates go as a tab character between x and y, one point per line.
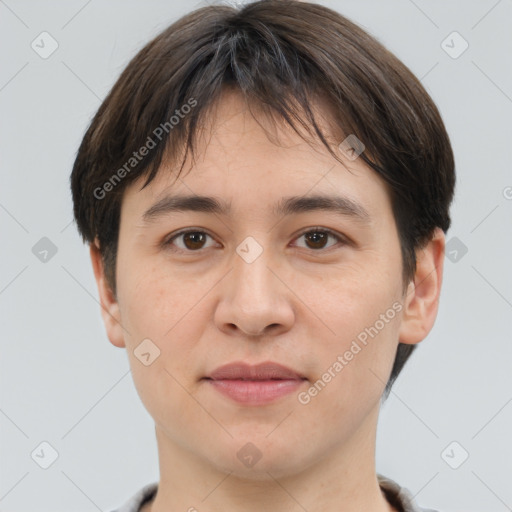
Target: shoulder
138	499
400	497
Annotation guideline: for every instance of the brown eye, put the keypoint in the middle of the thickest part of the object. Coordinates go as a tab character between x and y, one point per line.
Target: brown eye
194	240
190	241
317	238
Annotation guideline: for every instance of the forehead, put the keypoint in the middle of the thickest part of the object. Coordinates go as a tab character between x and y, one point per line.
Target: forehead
244	159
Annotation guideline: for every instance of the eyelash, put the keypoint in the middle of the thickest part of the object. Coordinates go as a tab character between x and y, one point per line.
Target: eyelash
169	241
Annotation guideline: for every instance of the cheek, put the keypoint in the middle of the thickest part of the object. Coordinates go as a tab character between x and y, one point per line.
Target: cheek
353	371
156	310
155	306
362	311
152	301
353	297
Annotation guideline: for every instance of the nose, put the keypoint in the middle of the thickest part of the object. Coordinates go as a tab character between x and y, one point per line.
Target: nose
255	299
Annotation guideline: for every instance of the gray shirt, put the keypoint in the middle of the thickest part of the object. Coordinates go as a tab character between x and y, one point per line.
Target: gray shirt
400	497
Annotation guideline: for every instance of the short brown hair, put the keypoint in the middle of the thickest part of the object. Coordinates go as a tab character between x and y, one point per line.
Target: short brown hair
280	54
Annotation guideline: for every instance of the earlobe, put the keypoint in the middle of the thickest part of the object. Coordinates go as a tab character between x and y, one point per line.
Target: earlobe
109	306
422	298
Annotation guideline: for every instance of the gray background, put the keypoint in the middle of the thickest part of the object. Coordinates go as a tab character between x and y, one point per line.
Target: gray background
63	383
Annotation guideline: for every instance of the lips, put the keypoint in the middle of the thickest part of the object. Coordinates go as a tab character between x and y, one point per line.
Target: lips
263	371
255	385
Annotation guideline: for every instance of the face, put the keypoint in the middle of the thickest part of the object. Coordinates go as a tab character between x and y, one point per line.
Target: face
315	289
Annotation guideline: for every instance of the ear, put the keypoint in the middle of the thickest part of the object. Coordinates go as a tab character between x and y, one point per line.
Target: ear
422	298
109	305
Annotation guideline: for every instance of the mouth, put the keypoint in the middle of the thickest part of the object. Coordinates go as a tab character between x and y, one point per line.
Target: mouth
255	384
259	372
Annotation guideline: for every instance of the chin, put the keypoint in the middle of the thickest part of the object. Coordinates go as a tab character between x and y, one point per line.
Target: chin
257	458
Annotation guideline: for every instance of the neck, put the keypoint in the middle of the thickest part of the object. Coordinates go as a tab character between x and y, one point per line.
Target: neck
343	478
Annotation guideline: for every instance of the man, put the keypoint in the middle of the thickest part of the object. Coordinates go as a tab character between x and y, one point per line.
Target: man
268	296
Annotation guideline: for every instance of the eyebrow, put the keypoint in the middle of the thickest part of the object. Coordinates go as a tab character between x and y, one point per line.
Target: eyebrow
340	205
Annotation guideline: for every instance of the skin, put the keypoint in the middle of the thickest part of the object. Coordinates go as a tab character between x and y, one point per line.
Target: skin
299	303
